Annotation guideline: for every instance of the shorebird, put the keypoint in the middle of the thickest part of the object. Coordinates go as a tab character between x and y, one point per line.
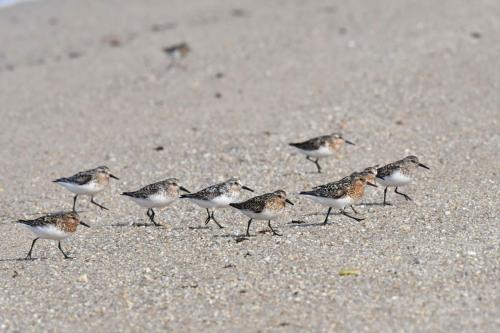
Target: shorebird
176	52
320	147
263	207
370	173
217	196
56	226
398	174
156	195
89	182
341	194
179	50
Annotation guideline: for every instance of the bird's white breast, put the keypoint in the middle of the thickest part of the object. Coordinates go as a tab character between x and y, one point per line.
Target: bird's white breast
395	179
202	203
220	201
266	214
224	200
86	189
154	201
323	151
49	232
340	203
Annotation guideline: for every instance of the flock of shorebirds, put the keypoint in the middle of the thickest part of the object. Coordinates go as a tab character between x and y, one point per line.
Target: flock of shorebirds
338	195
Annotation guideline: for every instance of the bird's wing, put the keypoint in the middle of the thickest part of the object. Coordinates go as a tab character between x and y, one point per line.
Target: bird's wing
311	144
386	170
256	204
207	193
80	178
41	221
144	192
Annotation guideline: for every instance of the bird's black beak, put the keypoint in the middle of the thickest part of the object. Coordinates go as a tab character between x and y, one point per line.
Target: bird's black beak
372	184
247	188
84	224
423	166
113	176
349	142
184	189
288	201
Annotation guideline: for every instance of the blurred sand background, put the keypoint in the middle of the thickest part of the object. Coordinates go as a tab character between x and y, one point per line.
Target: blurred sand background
85	83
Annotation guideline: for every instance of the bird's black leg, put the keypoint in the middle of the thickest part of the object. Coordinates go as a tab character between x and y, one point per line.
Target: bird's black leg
152	217
208	217
28	257
352	217
354	210
317	165
98	205
315	162
65	255
248	227
74	202
327	214
213	218
270	227
404	195
385	196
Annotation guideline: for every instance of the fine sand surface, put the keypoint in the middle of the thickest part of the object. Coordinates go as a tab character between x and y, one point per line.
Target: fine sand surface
85	83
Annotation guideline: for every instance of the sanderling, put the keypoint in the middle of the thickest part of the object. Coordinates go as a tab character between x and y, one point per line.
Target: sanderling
370	173
320	147
343	193
179	50
217	196
263	207
398	174
156	195
89	182
56	226
176	52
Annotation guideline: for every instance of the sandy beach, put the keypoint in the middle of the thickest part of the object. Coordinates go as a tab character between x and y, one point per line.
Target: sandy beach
86	83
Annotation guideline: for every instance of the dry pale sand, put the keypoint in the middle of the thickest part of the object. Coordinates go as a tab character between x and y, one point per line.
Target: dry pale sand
85	83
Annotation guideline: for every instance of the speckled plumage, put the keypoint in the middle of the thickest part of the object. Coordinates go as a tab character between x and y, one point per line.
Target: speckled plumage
320	147
88	182
343	193
168	187
99	175
156	195
264	207
180	50
65	221
370	173
398	174
333	190
272	201
232	187
217	196
405	166
57	226
332	141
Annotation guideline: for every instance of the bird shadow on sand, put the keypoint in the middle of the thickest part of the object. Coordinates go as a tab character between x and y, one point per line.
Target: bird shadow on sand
303	224
22	259
320	223
374	204
200	227
136	225
232	235
240	237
